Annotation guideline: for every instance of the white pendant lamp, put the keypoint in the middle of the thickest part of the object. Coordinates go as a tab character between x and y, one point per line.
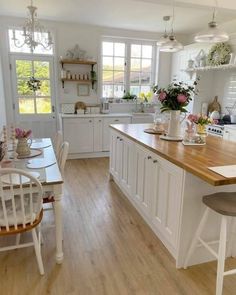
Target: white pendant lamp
172	45
212	34
165	37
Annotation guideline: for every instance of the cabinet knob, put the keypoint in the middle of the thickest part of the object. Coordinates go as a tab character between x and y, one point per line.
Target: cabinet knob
149	157
99	120
154	161
121	139
117	120
226	131
90	121
117	137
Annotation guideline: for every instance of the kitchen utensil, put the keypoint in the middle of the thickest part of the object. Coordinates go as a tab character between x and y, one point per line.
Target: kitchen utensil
105	108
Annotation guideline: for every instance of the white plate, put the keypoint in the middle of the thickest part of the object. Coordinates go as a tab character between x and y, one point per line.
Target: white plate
171	138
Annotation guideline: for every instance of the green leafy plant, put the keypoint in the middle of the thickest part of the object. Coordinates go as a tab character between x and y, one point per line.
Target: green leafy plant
129	96
219	54
176	96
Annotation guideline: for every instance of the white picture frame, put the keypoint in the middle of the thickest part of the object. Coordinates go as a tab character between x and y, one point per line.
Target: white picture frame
83	89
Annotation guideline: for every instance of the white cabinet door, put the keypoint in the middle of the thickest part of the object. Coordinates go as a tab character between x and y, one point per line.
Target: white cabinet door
79	133
229	134
106	131
142	180
97	134
166	200
126	171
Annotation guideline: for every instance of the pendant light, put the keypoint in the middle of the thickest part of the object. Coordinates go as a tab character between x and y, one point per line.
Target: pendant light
165	37
212	34
172	45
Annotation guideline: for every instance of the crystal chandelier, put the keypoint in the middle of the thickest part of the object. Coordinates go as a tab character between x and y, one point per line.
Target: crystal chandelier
212	34
34	33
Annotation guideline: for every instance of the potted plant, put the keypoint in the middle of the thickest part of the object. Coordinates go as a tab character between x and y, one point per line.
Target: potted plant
24	142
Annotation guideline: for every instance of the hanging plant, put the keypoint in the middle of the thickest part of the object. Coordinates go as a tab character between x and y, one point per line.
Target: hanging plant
34	84
219	54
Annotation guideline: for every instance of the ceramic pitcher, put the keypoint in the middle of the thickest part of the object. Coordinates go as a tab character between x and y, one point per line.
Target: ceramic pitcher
23	147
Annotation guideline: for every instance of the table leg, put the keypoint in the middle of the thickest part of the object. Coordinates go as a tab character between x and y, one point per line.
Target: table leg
58	223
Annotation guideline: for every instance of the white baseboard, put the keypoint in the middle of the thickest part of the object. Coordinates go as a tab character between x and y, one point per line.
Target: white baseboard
88	155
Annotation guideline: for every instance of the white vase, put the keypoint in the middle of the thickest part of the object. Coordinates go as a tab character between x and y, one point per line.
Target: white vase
174	124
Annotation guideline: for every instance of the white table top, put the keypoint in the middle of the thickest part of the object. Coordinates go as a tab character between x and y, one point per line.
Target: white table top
48	175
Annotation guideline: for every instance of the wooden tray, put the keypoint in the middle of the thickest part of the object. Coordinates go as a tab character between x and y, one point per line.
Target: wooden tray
33	153
153	131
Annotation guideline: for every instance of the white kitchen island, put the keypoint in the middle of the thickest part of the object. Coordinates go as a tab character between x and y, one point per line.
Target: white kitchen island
165	182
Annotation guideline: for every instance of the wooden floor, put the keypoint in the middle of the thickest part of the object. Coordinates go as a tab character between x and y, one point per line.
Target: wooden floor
108	248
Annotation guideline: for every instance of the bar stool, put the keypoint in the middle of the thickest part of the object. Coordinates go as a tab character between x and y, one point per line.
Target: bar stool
224	204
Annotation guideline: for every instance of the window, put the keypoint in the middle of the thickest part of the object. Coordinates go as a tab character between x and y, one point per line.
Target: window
25	49
29	101
140	68
113	66
127	66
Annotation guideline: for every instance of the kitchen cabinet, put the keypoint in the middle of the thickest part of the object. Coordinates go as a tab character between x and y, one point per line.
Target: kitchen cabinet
106	131
229	133
97	135
89	136
79	134
152	184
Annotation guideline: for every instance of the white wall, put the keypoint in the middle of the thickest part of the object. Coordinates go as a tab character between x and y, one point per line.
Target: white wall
2	101
67	35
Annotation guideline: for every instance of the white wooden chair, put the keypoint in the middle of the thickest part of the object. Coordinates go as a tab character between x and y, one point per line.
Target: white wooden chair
21	211
57	142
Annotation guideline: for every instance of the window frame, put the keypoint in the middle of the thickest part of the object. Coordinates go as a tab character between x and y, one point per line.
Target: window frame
128	42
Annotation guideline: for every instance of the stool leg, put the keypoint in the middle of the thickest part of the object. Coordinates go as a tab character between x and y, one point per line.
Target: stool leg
221	256
232	237
196	236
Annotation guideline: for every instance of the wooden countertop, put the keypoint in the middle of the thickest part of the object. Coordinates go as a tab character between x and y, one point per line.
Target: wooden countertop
194	159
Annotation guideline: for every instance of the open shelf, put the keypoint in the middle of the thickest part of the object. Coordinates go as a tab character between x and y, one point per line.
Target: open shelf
211	68
77	62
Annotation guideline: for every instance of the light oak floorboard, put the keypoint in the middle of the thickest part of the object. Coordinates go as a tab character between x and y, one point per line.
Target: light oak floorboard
108	248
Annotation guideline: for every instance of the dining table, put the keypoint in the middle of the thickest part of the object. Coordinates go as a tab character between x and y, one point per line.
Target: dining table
43	162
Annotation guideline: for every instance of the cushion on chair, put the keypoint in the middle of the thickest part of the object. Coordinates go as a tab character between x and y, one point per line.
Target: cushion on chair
19	216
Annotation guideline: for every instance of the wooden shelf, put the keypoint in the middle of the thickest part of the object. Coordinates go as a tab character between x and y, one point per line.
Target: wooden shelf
77	62
211	68
76	80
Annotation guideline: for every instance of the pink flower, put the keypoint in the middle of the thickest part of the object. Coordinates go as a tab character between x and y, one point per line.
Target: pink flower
21	133
181	98
192	118
162	96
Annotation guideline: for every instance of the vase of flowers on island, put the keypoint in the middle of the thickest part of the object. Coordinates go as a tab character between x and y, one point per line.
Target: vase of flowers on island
24	142
201	121
174	99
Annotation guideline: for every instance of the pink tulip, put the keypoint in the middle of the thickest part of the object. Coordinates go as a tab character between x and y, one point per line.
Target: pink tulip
162	96
181	98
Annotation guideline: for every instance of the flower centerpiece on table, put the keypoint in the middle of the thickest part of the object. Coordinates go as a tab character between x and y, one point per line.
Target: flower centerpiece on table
201	121
21	133
24	142
176	96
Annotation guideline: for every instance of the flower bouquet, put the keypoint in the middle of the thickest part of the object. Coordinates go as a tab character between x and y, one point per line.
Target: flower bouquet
201	121
24	142
176	96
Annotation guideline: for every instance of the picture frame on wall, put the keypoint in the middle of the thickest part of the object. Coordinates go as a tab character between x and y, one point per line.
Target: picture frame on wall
83	89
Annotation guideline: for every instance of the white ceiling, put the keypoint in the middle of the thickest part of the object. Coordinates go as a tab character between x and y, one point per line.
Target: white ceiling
144	15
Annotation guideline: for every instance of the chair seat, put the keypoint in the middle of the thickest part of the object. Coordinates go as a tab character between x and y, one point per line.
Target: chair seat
223	203
20	228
